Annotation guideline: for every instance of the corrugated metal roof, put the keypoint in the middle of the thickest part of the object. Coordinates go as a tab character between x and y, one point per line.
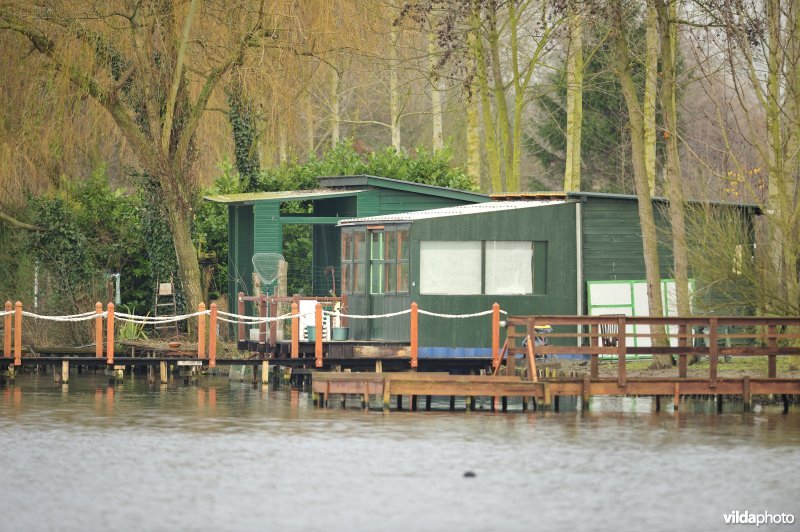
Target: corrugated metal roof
460	210
544	195
283	195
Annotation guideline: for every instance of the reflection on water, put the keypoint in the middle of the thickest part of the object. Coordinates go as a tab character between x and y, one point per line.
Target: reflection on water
226	456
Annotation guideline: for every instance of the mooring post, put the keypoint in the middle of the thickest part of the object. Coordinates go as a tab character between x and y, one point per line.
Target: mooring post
98	330
110	335
265	373
495	334
587	388
273	325
622	352
414	334
318	336
387	394
747	399
595	340
212	337
18	333
295	331
772	342
201	331
64	372
713	352
8	333
676	398
240	310
162	370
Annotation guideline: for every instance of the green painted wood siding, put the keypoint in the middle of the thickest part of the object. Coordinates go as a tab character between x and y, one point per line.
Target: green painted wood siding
612	240
267	229
367	203
397	201
553	225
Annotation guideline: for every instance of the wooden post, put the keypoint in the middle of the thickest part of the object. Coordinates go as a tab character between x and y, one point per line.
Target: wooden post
162	370
110	334
98	330
622	352
240	311
273	325
295	331
318	336
683	341
533	375
747	398
414	335
212	337
587	387
387	394
344	309
772	339
265	373
676	397
262	327
713	352
201	331
64	372
595	340
18	333
495	334
8	333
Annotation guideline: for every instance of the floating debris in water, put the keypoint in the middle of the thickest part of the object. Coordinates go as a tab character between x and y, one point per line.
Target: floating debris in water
470	474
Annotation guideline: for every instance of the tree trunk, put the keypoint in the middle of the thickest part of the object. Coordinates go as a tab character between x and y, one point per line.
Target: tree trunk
501	106
335	113
650	93
668	36
645	203
474	140
436	96
394	92
188	268
572	170
310	123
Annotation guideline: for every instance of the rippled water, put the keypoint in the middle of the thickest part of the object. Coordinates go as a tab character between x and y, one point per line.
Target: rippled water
225	456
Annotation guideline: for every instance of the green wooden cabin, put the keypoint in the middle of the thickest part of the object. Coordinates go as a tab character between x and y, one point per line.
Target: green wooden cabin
533	254
256	220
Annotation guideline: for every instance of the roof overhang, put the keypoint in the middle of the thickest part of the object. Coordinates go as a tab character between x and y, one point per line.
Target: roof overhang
281	196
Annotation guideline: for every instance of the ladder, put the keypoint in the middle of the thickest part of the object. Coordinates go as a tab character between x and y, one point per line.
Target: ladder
165	305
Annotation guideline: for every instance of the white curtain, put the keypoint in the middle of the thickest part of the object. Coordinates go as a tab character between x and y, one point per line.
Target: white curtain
508	267
450	267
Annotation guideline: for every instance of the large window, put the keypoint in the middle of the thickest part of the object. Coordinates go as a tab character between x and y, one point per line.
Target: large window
388	260
450	267
354	251
491	267
509	267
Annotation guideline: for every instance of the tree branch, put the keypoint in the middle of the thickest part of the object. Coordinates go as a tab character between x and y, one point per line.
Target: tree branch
16	224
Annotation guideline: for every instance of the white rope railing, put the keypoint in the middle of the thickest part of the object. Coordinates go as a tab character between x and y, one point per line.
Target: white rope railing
84	316
229	317
455	316
367	316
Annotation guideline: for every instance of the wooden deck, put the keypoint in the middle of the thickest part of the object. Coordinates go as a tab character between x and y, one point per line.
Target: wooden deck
541	394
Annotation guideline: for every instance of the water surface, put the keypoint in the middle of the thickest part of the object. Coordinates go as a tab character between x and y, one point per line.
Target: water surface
225	456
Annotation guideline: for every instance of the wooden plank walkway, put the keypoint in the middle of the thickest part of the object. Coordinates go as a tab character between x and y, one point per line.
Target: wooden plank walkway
544	393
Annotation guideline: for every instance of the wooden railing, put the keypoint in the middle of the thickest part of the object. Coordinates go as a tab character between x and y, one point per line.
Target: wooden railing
686	336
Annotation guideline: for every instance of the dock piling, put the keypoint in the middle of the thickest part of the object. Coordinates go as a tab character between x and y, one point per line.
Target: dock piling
8	333
18	333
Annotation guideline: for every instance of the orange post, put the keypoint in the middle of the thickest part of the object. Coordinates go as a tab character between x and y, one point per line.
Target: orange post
496	334
212	337
7	337
295	331
201	331
98	330
240	311
18	333
110	335
318	335
414	334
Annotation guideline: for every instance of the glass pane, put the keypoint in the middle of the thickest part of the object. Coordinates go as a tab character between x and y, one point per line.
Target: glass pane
403	277
376	252
359	238
346	288
391	277
376	276
509	267
450	267
347	246
402	244
391	251
358	278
